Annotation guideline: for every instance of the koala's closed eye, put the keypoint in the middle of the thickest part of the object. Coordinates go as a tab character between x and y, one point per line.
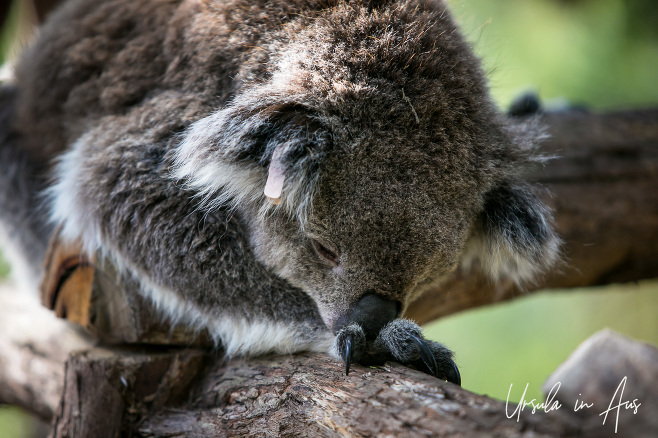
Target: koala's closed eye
325	254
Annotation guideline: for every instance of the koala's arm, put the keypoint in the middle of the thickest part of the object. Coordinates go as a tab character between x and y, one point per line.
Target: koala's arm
114	189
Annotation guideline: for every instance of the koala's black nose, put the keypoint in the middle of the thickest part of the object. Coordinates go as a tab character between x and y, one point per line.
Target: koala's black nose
372	312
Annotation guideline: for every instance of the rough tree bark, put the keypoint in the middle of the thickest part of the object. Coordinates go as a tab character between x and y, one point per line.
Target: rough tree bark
606	204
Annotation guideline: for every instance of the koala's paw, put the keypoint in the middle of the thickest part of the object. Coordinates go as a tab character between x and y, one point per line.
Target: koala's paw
351	344
401	341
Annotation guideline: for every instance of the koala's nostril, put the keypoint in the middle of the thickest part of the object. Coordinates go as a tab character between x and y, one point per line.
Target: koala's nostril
372	312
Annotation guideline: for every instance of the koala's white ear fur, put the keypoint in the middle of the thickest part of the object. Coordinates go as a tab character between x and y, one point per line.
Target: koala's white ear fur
513	237
257	151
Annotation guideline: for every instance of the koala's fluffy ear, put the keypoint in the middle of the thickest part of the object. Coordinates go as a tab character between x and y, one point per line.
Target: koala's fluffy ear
252	148
513	237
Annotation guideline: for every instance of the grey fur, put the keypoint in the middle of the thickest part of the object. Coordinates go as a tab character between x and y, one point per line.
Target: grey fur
397	337
399	340
163	117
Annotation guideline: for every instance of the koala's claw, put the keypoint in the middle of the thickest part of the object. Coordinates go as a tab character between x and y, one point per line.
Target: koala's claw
426	355
453	375
400	341
350	344
348	353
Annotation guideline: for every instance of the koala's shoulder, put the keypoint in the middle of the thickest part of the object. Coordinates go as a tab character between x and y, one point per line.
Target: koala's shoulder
93	58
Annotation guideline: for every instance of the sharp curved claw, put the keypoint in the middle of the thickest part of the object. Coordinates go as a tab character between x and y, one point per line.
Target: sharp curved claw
348	353
454	376
427	356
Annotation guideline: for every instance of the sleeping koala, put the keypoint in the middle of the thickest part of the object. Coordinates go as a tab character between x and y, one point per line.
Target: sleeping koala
289	175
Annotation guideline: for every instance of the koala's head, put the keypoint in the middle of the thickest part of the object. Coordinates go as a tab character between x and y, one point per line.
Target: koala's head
385	163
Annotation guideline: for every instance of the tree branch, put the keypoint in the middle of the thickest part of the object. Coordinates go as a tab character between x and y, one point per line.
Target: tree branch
34	345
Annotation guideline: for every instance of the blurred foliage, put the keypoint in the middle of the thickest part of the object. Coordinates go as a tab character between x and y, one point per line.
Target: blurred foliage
602	53
15	423
15	32
7	30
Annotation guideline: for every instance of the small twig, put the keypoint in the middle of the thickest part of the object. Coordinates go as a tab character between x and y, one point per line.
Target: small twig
404	96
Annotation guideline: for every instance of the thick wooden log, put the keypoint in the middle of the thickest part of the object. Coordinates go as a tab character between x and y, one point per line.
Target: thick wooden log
604	192
309	395
144	391
107	393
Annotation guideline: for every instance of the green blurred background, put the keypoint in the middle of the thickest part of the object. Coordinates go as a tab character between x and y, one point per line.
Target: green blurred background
603	53
600	53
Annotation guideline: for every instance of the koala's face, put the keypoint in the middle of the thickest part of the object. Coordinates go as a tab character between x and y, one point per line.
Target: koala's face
390	215
373	208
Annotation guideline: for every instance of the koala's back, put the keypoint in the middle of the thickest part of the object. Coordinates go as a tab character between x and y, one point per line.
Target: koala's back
97	58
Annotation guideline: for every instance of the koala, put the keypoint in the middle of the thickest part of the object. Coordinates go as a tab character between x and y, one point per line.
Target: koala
288	175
